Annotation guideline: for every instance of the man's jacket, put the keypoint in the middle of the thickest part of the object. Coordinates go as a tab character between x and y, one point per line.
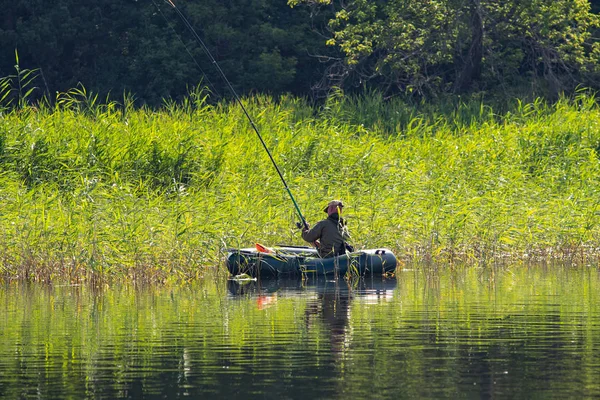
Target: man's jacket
331	233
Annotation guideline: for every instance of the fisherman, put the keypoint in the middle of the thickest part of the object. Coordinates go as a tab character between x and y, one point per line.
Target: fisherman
329	234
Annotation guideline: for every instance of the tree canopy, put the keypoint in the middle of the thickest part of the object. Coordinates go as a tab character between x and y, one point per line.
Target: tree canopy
143	48
415	47
433	46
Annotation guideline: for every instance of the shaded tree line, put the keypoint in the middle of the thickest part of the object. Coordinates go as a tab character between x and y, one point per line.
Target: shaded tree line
141	47
414	47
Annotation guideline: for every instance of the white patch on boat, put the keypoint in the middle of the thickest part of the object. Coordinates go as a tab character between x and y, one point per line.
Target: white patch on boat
243	277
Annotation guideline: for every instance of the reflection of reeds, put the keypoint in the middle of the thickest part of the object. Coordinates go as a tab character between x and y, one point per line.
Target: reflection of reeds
353	270
98	191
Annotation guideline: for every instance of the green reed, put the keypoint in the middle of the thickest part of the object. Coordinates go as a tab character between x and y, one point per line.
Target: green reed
101	190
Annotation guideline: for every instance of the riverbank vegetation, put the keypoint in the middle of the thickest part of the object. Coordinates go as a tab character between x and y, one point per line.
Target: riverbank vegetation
94	190
418	48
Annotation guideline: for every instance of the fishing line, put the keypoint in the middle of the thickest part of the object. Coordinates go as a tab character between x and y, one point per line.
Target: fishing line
239	101
213	87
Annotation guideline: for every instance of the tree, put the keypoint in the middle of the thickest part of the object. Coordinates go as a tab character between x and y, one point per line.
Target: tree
434	46
111	46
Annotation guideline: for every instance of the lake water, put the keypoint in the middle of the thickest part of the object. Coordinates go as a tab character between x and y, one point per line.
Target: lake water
515	332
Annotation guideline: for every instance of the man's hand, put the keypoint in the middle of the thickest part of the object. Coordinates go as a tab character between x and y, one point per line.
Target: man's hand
304	226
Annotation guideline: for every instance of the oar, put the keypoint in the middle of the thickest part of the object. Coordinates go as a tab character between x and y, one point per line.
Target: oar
239	101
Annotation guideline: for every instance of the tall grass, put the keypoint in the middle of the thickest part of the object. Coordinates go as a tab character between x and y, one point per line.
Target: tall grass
102	190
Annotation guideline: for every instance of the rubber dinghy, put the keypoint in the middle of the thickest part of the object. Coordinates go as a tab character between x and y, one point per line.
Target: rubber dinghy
297	260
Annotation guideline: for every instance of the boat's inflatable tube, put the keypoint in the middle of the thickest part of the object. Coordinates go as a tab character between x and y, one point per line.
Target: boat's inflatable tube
295	260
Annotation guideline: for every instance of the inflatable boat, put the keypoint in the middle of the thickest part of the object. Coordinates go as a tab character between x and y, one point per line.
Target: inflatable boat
286	260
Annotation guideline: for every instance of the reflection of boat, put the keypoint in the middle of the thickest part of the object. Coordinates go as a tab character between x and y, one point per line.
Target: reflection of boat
327	301
300	260
365	289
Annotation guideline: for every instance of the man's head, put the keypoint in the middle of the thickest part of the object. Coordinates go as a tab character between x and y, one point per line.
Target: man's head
334	206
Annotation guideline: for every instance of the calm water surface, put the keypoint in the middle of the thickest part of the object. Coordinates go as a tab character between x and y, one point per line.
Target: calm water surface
468	333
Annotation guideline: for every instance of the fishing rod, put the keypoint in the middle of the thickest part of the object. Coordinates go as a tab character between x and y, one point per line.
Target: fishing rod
239	101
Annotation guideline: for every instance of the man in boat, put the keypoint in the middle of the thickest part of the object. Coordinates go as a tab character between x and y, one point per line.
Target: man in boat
330	234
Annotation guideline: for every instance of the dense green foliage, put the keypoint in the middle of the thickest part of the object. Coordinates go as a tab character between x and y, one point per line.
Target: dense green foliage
133	46
419	47
430	47
102	190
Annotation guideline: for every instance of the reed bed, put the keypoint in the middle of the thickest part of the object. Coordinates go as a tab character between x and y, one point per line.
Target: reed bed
95	191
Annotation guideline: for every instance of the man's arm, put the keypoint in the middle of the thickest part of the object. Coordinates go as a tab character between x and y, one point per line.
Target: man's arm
313	234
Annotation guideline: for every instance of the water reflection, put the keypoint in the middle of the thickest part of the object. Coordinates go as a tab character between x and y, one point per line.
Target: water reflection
455	333
329	301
